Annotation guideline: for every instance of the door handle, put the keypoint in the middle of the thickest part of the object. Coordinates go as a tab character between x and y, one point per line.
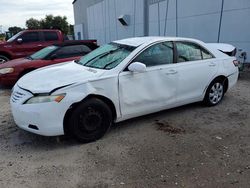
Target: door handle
171	72
212	65
39	45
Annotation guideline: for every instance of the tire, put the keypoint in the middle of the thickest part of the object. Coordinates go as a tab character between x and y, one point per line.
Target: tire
90	120
3	59
215	93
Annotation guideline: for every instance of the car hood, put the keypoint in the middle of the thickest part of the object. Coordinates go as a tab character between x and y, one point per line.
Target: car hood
48	79
14	63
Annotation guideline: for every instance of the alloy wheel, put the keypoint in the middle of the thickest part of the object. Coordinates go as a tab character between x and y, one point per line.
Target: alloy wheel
216	93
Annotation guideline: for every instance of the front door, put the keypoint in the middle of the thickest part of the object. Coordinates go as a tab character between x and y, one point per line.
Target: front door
153	90
31	43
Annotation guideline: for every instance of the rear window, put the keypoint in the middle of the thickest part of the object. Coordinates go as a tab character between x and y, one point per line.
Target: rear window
72	51
50	36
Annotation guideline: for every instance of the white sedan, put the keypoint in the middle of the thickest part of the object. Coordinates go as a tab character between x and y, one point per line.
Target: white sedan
118	81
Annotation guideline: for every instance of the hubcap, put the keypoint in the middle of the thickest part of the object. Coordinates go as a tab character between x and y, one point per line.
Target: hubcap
2	61
90	120
216	93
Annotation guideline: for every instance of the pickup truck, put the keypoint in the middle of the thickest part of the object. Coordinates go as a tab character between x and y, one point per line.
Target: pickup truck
27	42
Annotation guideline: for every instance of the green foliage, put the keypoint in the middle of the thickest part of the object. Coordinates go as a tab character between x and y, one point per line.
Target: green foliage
71	30
2	37
33	24
49	22
14	30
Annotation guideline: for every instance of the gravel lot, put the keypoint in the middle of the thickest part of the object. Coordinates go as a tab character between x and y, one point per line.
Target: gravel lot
190	146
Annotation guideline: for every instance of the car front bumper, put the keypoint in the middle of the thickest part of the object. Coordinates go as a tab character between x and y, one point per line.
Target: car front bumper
45	119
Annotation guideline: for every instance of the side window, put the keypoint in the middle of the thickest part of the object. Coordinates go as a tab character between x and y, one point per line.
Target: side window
158	54
71	51
30	37
188	52
206	54
50	36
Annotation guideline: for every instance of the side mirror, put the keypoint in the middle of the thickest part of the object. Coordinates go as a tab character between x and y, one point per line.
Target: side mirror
53	56
137	67
19	40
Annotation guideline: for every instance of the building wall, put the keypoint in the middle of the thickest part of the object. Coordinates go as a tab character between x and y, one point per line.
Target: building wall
103	21
207	20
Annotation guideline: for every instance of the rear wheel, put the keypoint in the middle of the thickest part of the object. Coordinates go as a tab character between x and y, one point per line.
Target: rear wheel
90	120
215	93
3	59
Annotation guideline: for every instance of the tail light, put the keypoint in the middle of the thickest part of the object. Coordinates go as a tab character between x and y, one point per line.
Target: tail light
236	63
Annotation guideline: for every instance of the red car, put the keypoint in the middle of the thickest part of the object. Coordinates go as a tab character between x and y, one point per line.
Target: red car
28	42
11	71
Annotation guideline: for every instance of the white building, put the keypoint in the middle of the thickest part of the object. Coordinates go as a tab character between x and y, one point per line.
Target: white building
208	20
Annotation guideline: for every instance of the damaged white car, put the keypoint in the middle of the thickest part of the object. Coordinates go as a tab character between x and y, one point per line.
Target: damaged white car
118	81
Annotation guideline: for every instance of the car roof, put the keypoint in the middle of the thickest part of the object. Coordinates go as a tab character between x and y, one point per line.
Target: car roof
137	41
72	43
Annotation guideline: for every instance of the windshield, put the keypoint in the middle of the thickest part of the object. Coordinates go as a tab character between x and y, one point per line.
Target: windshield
15	37
107	56
43	53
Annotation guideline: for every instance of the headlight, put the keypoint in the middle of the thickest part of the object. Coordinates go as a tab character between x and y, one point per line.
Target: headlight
6	70
47	98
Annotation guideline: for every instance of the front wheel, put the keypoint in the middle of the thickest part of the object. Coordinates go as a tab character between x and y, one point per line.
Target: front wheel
90	120
215	93
3	59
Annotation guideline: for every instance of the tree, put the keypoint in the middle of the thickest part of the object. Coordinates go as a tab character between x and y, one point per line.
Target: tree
33	24
49	22
71	30
55	22
14	30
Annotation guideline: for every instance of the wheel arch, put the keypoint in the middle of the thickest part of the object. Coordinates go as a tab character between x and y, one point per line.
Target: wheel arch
6	54
225	81
73	106
220	77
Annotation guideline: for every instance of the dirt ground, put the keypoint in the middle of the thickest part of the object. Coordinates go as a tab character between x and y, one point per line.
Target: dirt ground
190	146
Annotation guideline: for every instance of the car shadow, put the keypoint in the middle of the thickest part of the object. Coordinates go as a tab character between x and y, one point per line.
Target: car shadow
157	115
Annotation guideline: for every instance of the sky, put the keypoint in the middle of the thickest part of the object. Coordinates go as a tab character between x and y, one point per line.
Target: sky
16	12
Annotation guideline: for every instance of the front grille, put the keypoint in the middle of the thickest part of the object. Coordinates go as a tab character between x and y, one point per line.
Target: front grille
17	96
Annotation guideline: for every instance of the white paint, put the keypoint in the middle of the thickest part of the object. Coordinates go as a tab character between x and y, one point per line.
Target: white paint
222	47
133	94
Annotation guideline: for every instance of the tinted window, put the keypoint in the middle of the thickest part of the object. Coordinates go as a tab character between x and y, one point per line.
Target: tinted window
158	54
43	53
71	51
50	36
30	37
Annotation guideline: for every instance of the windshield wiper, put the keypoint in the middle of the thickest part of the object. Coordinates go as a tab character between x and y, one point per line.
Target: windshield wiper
110	63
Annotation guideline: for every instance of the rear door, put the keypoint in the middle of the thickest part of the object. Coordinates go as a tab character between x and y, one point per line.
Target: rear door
154	89
196	68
